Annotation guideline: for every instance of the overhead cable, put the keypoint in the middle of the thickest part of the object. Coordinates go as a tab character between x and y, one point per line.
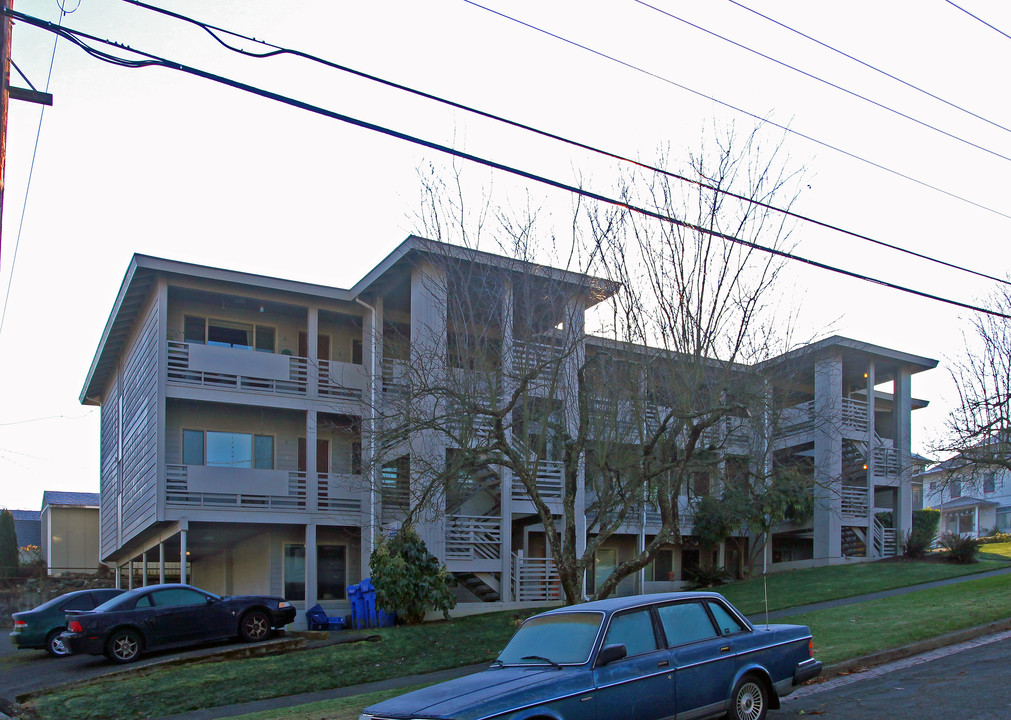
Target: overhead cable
977	17
79	38
276	50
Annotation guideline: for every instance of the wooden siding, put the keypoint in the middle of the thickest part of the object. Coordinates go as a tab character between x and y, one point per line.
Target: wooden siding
109	474
140	428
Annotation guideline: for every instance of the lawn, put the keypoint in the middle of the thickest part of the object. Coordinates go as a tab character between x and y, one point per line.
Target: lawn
407	651
996	551
812	585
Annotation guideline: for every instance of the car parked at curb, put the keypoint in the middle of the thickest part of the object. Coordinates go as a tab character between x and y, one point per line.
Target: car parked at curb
647	657
159	617
40	627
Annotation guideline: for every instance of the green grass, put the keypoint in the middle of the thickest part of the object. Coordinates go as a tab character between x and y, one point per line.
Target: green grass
345	708
996	551
407	651
862	628
812	585
400	652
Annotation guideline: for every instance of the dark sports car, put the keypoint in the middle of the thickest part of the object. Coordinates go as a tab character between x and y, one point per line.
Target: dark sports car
167	616
40	628
650	657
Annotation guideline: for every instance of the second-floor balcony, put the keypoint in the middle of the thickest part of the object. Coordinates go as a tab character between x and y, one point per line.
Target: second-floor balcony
222	368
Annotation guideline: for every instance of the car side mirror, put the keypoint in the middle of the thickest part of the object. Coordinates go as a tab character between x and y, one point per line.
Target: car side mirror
611	653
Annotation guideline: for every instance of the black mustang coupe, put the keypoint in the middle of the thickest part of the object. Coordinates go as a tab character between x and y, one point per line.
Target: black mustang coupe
164	616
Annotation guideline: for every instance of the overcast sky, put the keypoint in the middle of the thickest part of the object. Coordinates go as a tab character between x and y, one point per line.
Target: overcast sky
156	162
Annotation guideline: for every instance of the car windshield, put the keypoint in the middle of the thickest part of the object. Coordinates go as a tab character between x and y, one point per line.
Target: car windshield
559	638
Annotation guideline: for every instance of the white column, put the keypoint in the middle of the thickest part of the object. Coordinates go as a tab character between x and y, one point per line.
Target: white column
182	555
828	458
143	565
871	440
129	575
161	563
310	565
902	407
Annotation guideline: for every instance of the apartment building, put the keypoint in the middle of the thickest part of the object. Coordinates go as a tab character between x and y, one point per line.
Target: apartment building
972	500
242	439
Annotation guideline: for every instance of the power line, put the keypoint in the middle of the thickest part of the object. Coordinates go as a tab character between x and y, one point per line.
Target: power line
78	38
867	65
276	50
822	80
28	185
977	17
755	116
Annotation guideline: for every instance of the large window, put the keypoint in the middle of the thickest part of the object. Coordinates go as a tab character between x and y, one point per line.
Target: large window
662	567
1004	519
331	572
227	333
228	449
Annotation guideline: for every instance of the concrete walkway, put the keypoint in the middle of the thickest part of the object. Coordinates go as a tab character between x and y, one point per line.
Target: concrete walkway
229	711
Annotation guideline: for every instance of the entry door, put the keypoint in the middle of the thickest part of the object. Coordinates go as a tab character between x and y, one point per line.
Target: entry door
322	456
322	346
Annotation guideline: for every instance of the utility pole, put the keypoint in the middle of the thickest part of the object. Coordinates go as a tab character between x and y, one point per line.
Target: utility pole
7	92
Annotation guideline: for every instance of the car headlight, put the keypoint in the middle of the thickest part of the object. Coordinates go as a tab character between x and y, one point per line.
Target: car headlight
283	604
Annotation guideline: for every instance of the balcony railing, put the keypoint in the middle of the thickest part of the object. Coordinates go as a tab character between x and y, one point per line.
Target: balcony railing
221	376
855	503
473	537
550	475
330	385
535	579
339	493
802	418
529	355
886	463
179	493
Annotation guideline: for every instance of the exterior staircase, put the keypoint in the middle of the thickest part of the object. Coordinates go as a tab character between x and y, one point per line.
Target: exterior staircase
484	585
853	545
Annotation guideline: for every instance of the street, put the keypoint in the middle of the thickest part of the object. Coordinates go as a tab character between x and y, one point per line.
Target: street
966	681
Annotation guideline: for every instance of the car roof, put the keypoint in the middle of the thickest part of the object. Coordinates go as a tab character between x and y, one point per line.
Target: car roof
614	604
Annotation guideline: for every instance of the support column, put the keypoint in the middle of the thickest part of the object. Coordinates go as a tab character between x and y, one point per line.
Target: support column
828	458
310	565
870	463
902	407
312	348
575	335
119	577
129	575
161	563
182	554
143	570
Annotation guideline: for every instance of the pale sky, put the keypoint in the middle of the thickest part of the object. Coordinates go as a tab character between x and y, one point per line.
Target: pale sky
156	162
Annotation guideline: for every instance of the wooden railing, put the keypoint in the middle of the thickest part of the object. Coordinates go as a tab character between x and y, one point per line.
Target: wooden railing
884	540
179	372
339	493
177	493
535	579
886	463
329	387
550	481
473	537
855	503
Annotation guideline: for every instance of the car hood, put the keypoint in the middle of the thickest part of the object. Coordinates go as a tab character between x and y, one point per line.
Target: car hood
486	693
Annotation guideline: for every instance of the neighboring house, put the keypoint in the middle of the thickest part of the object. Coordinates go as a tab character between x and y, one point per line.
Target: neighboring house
233	407
70	532
972	500
28	526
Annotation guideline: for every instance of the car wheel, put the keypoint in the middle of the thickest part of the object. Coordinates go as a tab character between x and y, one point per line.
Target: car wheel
54	645
123	646
255	625
750	700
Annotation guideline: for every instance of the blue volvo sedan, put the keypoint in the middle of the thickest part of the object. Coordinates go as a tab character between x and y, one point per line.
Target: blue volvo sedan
676	656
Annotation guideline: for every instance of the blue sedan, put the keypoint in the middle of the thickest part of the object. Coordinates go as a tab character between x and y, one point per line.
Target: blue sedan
648	657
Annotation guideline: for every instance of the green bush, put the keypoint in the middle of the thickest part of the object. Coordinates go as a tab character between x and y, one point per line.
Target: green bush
961	549
408	579
995	537
707	577
919	539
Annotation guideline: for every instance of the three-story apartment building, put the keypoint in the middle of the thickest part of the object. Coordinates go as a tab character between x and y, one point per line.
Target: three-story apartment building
240	415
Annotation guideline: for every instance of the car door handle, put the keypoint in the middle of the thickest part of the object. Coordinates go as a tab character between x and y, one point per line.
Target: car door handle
663	663
725	648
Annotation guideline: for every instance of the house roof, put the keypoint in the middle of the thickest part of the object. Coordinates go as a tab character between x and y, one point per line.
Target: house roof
915	363
965	502
28	526
79	499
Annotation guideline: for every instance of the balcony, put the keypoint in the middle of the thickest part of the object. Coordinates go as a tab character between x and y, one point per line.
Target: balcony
223	368
550	475
200	486
473	537
802	418
855	503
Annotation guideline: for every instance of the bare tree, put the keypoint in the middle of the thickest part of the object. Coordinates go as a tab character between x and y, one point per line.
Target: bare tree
504	392
979	427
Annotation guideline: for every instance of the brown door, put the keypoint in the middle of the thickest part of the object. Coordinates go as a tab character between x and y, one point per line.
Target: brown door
322	346
322	456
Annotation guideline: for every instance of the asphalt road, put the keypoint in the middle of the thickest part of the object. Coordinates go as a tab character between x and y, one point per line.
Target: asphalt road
967	681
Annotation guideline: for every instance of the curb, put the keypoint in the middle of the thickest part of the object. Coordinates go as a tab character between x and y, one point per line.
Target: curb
921	646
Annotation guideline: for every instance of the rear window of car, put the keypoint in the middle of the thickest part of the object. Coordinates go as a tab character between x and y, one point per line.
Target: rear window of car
84	601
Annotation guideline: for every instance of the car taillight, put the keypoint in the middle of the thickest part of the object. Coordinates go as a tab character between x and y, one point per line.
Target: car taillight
810	647
75	626
20	623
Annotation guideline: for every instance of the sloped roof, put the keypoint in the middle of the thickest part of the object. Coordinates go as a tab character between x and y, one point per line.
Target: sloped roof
965	502
81	499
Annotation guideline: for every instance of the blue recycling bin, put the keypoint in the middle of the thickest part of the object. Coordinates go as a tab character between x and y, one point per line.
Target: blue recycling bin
359	614
376	617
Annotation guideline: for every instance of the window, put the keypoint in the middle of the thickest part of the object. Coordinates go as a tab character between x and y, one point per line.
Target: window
685	623
331	572
727	623
990	483
227	333
264	339
662	567
228	449
933	487
194	329
1004	519
700	484
956	489
356	352
175	597
80	602
294	572
634	630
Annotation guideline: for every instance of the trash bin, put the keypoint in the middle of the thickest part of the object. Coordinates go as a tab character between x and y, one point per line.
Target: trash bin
359	616
377	617
316	618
